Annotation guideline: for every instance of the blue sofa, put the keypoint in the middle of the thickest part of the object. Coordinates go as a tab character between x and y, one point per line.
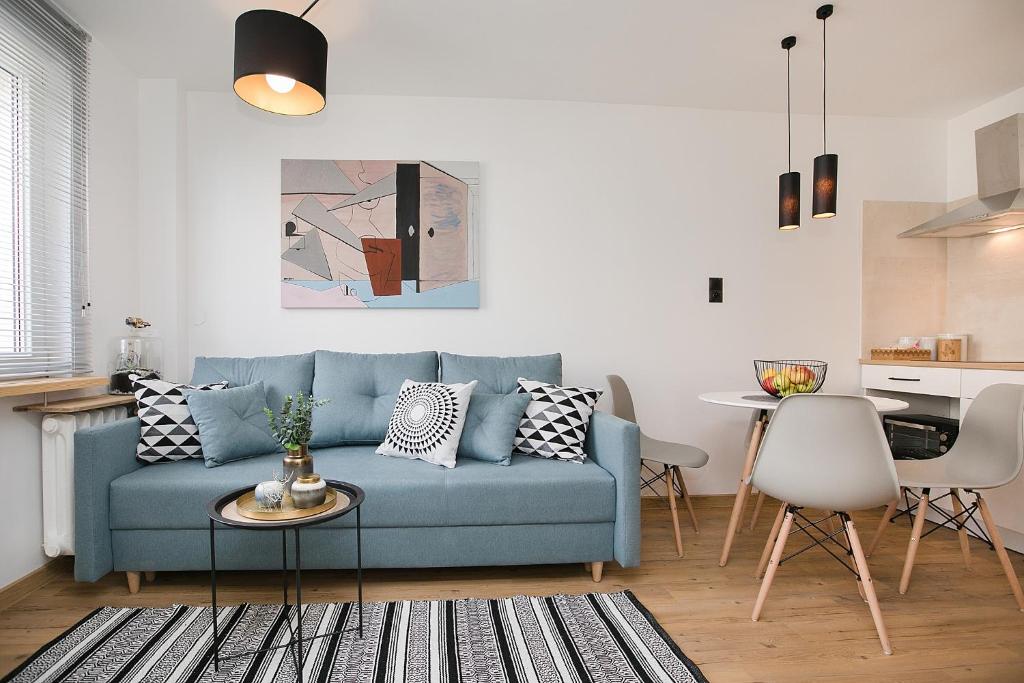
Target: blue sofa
138	518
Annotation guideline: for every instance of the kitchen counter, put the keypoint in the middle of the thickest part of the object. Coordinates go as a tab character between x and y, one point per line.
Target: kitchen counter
963	365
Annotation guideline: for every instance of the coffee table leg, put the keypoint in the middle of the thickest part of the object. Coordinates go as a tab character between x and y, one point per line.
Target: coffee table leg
744	488
298	596
284	566
213	596
359	568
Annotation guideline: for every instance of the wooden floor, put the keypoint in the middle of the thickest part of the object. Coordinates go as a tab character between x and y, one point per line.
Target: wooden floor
953	625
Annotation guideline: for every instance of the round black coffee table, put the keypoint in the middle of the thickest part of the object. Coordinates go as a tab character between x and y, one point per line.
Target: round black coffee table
224	511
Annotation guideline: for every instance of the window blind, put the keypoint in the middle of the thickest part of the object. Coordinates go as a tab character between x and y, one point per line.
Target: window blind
44	120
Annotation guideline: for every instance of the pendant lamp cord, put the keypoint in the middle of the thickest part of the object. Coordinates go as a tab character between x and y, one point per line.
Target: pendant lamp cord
789	119
308	8
824	73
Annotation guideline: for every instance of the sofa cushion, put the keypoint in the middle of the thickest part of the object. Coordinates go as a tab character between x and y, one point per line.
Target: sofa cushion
232	423
362	388
491	426
399	493
497	375
281	375
427	422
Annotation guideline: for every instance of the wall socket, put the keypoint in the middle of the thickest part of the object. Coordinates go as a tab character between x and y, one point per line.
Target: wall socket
716	294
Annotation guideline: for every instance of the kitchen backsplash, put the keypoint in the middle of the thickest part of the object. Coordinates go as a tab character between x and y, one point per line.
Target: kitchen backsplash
920	287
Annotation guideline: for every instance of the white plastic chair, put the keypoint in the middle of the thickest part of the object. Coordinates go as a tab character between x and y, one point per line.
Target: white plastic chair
827	453
671	456
988	453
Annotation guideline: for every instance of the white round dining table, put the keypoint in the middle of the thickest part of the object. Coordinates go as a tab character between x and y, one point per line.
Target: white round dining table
753	399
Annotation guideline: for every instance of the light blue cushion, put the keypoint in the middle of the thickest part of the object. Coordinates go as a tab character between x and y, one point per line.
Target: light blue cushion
362	388
498	375
232	424
491	426
399	492
281	375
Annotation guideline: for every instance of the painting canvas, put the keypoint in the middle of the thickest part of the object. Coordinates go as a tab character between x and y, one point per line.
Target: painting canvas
379	234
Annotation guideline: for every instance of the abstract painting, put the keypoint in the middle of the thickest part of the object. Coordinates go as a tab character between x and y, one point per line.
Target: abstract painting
379	234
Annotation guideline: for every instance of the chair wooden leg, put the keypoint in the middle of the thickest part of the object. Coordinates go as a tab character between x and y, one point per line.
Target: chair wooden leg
915	539
890	510
596	569
670	491
965	541
150	577
686	499
741	492
761	495
1004	559
867	585
134	580
770	543
773	564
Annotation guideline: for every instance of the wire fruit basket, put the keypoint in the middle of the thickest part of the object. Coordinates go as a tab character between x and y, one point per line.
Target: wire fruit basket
782	378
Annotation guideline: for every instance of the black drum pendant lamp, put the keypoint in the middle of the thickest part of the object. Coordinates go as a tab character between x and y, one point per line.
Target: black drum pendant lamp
789	182
826	166
280	62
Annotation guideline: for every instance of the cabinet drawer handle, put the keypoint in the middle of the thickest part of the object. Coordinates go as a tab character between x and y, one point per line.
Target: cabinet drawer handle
905	379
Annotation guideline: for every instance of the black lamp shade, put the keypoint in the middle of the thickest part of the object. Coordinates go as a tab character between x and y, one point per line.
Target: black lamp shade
826	170
278	44
789	201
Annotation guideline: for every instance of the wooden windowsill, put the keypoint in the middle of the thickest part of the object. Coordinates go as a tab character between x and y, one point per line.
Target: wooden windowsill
78	405
45	385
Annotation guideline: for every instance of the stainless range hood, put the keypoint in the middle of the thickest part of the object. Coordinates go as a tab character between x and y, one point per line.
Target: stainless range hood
1000	203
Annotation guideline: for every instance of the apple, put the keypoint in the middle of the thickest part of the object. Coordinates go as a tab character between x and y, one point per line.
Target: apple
782	382
800	374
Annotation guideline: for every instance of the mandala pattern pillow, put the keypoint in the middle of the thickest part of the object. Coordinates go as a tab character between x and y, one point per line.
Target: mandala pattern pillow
168	431
427	422
556	420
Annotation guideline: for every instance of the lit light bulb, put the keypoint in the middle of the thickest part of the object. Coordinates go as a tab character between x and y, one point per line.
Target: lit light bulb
281	84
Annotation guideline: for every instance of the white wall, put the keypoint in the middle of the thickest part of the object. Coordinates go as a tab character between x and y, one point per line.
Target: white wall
600	227
114	276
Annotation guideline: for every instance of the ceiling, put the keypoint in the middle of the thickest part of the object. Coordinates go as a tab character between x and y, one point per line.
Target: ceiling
928	58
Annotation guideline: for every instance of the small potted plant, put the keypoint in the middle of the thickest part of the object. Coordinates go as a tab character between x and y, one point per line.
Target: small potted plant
292	427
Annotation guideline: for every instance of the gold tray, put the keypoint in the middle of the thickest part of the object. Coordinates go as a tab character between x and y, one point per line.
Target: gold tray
248	507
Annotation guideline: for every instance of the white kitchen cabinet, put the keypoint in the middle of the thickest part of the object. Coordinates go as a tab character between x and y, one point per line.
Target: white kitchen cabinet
912	380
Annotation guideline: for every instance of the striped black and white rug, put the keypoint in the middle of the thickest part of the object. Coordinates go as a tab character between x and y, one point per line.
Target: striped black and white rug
573	638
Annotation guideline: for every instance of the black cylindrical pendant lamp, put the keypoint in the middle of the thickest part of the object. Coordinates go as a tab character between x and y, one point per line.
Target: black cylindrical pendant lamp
826	166
789	182
280	63
789	200
826	170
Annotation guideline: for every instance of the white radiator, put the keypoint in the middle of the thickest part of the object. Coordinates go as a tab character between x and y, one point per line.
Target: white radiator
59	474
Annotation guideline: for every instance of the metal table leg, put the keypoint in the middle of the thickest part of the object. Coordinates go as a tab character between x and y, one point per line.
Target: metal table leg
298	597
213	596
359	567
284	567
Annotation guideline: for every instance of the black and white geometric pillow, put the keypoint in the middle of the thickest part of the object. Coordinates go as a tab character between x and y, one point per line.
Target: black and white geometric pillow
556	420
427	422
168	431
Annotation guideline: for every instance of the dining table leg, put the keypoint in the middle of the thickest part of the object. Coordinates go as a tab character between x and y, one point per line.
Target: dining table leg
744	487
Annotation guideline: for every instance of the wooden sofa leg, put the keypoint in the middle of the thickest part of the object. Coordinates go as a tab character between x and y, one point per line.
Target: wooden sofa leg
134	578
150	577
596	568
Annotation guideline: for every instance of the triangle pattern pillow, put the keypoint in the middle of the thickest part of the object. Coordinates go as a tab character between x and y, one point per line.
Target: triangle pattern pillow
427	422
168	431
556	420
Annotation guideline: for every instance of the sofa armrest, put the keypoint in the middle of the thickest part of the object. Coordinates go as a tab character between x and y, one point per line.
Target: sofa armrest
102	454
614	444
